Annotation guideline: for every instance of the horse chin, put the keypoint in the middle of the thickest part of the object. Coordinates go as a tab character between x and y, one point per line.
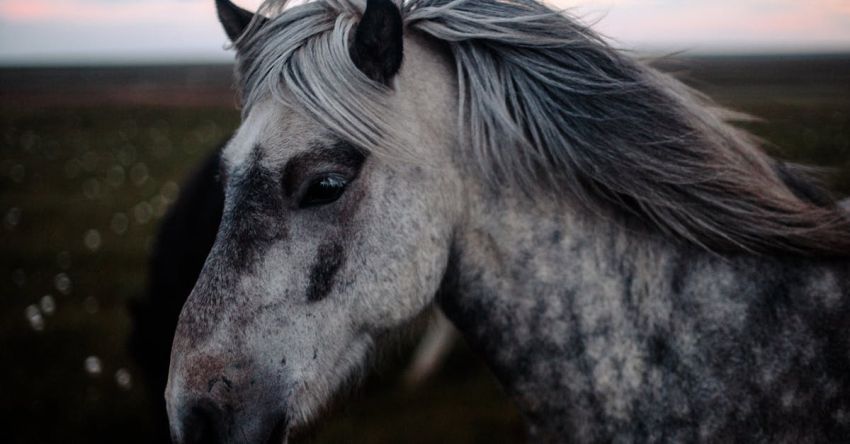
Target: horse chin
312	398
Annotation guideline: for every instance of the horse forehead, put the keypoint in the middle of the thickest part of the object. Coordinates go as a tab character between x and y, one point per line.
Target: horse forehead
274	129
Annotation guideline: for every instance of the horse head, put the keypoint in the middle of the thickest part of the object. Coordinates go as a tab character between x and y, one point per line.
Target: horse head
323	248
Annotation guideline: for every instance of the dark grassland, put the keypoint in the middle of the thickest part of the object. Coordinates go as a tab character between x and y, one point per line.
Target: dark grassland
90	159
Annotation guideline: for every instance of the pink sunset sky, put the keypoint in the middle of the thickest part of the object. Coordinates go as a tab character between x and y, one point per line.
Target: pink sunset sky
80	31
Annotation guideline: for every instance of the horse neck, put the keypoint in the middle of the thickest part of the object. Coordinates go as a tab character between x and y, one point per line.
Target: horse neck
522	277
565	307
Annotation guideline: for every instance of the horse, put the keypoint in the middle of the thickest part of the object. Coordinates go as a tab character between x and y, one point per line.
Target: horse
630	264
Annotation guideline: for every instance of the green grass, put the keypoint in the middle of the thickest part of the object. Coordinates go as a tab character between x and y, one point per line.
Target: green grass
61	176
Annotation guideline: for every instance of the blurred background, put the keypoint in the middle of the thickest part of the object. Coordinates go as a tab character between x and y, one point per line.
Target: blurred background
106	105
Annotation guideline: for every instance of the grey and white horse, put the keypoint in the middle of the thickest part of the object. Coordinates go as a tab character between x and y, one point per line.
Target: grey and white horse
630	265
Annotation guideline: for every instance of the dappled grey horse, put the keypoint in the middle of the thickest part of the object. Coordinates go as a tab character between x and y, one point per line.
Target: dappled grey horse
630	265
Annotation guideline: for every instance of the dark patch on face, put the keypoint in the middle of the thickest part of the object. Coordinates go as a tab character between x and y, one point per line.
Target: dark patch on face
252	219
329	259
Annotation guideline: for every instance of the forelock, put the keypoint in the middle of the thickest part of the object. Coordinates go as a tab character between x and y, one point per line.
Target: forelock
301	58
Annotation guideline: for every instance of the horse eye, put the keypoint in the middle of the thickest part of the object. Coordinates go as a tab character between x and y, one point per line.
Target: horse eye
324	190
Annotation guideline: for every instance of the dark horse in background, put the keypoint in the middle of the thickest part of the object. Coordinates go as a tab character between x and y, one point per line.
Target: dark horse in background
184	240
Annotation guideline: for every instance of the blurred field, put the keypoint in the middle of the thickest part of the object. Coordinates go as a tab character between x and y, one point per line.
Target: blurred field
91	158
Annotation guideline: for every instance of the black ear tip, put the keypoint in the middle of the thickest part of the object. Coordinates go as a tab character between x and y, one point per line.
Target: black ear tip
377	48
381	18
382	4
234	19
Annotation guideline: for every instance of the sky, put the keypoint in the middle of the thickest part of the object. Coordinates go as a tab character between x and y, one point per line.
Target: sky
121	31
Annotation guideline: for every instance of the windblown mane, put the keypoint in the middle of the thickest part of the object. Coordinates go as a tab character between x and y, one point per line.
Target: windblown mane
549	107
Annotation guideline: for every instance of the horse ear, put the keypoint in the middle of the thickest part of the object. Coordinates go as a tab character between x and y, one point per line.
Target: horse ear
234	19
377	47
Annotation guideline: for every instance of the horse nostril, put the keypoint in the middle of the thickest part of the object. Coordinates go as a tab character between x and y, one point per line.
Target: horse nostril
199	425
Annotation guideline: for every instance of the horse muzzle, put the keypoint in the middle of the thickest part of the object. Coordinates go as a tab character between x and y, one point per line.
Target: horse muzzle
210	400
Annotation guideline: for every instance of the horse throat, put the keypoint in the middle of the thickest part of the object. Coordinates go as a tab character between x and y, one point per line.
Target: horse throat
525	285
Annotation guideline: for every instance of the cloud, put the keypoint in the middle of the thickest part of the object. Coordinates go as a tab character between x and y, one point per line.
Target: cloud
82	31
676	24
96	12
38	28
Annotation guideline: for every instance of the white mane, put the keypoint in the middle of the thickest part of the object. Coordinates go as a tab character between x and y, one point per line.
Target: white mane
547	106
